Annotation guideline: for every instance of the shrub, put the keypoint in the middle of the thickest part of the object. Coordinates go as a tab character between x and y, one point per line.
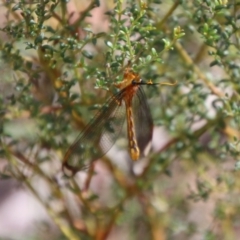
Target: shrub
59	62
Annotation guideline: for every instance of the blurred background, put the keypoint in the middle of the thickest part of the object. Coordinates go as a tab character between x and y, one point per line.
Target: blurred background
60	61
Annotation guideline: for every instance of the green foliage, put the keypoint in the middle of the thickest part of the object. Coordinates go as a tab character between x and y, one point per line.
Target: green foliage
54	53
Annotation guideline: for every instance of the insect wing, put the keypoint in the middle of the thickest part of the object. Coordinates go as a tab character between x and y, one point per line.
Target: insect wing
99	135
143	120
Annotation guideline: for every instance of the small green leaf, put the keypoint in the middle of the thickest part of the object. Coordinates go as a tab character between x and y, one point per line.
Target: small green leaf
149	58
237	165
154	52
55	37
94	41
101	34
39	39
16	7
109	44
87	54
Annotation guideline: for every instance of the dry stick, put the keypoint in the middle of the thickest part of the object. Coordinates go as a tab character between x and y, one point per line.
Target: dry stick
185	55
54	188
200	53
66	230
190	62
229	131
168	14
84	14
103	232
172	141
157	228
90	174
115	211
80	196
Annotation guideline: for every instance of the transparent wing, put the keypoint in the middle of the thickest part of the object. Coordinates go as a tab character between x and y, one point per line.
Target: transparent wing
98	136
143	120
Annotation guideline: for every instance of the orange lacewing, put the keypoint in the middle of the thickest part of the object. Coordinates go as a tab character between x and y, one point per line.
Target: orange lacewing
103	130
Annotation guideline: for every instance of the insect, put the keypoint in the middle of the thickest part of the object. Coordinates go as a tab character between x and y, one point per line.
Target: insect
102	131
